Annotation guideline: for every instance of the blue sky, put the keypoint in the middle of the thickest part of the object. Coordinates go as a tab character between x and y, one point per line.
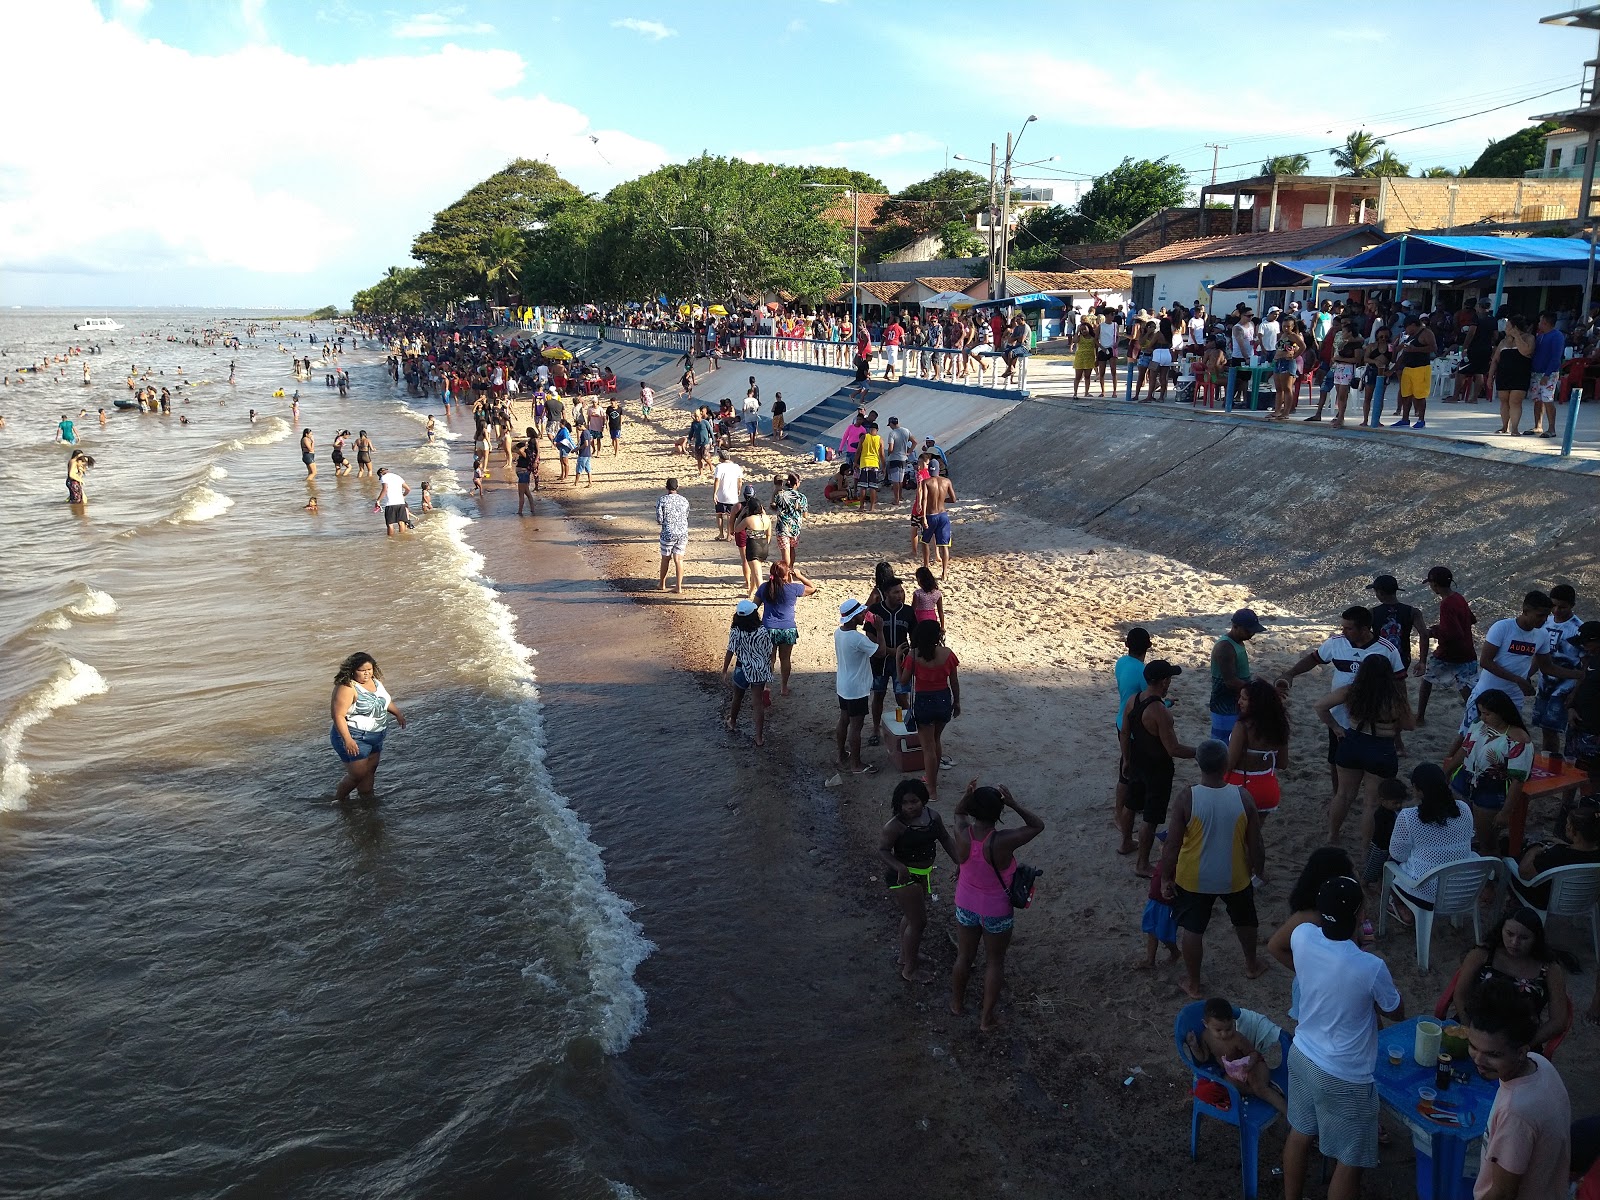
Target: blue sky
279	152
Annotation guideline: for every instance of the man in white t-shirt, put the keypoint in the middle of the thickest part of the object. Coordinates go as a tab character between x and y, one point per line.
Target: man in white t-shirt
726	479
392	493
1269	330
1105	353
1197	326
899	446
1356	640
1332	1096
852	652
1514	651
1550	705
1242	343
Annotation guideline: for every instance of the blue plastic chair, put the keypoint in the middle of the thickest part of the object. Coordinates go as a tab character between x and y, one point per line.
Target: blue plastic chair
1246	1113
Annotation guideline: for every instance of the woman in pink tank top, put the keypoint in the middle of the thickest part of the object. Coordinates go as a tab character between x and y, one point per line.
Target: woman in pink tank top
987	859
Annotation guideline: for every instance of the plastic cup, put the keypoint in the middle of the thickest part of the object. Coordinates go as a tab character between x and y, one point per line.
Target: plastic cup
1397	1055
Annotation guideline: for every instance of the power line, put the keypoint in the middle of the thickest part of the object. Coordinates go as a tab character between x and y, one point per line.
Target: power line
1416	128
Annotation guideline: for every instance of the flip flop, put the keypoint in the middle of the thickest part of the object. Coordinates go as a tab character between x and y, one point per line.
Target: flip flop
874	740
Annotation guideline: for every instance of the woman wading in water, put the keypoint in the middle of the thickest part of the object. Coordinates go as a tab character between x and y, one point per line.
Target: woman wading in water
361	709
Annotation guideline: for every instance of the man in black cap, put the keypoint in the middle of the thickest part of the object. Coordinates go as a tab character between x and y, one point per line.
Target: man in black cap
1332	1096
1149	746
1230	671
1394	622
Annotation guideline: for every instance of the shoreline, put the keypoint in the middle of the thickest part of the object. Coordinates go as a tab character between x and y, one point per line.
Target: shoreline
1036	613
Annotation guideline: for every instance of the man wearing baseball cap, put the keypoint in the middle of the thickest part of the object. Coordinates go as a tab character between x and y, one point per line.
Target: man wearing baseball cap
1149	746
852	652
1395	622
1230	671
1454	662
1332	1096
1550	703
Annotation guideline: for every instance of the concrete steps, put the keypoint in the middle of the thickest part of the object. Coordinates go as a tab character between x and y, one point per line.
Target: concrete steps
818	419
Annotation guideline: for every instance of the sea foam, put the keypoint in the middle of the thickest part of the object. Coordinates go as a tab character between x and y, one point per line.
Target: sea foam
72	683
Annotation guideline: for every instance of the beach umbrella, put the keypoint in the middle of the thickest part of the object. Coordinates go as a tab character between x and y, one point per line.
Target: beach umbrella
716	310
556	352
948	300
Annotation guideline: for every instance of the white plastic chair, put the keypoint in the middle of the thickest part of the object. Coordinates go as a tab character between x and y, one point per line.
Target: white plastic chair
1456	896
1574	892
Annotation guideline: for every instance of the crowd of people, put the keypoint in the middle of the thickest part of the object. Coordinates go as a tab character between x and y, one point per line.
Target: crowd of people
898	690
1374	350
1532	683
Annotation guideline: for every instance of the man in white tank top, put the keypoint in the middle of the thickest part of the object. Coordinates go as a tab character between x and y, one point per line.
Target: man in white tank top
1213	850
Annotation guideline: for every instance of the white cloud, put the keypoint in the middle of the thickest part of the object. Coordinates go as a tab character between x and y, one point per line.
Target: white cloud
861	153
446	23
650	29
129	11
795	26
257	196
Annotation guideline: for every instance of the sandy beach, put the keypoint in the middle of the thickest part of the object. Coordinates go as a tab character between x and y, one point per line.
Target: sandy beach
1037	615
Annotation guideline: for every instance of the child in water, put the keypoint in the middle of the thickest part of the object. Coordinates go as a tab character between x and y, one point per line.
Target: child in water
427	494
477	479
311	505
430	438
1222	1043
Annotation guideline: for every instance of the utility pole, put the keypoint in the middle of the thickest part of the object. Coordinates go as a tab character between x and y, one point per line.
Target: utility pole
1005	219
991	214
1216	149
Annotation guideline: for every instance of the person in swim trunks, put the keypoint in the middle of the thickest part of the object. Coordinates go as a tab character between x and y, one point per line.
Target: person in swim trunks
933	493
909	848
308	453
1149	746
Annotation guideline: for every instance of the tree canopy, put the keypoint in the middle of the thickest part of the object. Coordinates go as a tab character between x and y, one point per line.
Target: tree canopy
858	181
1360	150
1286	164
1511	157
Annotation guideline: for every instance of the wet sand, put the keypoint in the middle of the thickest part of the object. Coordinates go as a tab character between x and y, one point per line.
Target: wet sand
1036	614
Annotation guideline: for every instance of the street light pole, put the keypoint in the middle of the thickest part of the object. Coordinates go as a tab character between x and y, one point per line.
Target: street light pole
1005	205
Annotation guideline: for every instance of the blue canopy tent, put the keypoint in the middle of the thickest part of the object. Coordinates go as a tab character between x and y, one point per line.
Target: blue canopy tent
1412	259
1031	300
1276	275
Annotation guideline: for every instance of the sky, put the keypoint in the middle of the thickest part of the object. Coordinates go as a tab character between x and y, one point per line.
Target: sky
283	153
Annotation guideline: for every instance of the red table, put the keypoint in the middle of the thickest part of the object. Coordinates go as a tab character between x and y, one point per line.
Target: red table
1551	776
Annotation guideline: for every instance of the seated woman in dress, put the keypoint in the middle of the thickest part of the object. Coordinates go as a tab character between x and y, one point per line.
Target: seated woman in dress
1516	951
1437	832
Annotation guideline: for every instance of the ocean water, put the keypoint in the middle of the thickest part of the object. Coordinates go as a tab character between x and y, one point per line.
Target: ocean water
213	979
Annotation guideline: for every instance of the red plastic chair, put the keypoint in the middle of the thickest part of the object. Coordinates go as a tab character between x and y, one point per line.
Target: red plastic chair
610	384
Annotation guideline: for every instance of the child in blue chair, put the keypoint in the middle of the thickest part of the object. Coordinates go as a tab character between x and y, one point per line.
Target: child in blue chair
1223	1045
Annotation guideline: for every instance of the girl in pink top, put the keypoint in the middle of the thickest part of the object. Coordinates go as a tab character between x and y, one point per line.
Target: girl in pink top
927	602
986	856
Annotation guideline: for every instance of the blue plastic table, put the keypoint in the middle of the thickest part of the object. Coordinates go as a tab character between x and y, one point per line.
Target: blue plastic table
1398	1091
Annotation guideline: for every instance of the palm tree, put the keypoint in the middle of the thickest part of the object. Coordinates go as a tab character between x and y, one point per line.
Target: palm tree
1286	164
1387	164
1359	152
502	258
1438	173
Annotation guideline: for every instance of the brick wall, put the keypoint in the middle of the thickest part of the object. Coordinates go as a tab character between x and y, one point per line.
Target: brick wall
1407	204
1174	225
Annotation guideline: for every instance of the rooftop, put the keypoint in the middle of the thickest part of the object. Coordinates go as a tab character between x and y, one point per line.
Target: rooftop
1257	245
1072	281
947	283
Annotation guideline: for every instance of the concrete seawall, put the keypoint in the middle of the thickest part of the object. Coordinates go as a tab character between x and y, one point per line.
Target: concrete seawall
1304	520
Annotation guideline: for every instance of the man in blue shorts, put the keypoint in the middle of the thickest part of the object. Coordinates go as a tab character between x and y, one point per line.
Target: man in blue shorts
933	493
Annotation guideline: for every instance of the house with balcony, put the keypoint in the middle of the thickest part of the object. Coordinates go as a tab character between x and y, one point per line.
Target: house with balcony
1400	204
1565	151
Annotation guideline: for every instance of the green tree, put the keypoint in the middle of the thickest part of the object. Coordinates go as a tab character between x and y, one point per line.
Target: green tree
1286	164
926	208
1511	157
860	181
1437	173
401	290
1125	195
1359	152
328	312
1387	164
959	240
502	259
521	197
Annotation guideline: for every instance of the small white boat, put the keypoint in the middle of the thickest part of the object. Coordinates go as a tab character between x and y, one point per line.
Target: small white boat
97	325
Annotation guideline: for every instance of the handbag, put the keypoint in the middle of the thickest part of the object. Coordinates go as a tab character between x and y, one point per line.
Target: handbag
1020	890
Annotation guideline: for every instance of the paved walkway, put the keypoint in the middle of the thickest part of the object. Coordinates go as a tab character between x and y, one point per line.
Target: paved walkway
1452	428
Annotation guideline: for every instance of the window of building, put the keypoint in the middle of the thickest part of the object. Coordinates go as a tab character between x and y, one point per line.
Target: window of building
1555	157
1580	154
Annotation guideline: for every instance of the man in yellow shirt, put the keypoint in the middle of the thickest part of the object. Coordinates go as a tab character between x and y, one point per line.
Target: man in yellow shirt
869	466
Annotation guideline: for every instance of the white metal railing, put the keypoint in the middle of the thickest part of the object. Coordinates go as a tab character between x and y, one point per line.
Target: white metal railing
655	339
1567	172
979	367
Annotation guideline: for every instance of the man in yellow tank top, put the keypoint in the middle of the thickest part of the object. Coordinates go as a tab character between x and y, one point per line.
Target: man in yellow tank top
1213	849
